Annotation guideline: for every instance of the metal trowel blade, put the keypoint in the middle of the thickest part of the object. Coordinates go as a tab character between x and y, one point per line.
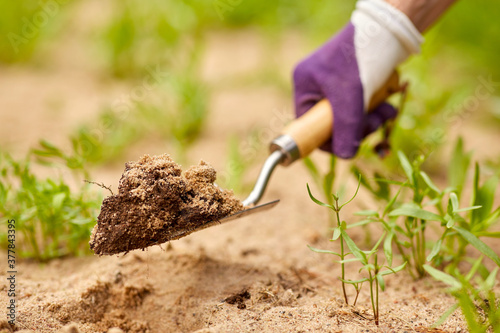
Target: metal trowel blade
240	214
249	211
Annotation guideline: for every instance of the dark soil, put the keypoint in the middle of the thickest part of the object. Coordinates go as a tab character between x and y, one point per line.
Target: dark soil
157	203
239	299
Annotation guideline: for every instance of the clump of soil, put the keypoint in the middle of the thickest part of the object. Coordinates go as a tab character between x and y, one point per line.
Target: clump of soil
157	203
239	299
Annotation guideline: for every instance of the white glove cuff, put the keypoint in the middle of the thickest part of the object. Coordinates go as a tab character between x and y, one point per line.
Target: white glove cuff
384	37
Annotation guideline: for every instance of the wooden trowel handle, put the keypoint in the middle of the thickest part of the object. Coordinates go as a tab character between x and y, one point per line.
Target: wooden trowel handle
314	128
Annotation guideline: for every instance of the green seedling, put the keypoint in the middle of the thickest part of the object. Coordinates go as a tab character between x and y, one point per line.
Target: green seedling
337	231
475	297
406	221
52	219
375	271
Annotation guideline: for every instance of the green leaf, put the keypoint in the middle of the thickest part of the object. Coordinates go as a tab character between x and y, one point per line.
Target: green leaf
322	251
445	315
451	222
406	165
417	212
381	282
375	247
429	182
336	233
475	183
466	209
354	196
50	148
316	201
363	179
354	281
384	190
353	247
82	221
478	244
491	219
458	167
469	311
388	247
485	197
443	277
360	223
345	261
311	167
475	266
435	249
493	234
489	283
391	203
454	201
58	200
394	270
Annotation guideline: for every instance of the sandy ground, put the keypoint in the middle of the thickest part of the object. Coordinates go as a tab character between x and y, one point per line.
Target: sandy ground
278	284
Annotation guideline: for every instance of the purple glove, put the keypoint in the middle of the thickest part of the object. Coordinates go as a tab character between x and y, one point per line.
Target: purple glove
333	71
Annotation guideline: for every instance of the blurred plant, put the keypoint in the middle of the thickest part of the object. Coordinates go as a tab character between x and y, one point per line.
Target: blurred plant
237	166
22	25
187	118
53	220
477	300
374	270
140	34
458	227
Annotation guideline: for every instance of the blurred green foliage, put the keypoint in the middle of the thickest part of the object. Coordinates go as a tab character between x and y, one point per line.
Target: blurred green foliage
52	219
19	35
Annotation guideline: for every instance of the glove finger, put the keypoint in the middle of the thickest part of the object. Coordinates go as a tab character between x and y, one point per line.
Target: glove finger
378	117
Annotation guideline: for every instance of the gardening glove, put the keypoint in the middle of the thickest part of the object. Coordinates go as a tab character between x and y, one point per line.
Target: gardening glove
351	67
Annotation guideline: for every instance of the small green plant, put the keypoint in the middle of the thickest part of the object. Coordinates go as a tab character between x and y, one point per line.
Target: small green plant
406	219
337	232
368	259
475	297
53	220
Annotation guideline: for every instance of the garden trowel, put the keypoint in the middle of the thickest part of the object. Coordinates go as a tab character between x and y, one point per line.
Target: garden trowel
304	135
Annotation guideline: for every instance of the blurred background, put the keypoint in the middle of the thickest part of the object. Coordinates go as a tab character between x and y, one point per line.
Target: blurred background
87	85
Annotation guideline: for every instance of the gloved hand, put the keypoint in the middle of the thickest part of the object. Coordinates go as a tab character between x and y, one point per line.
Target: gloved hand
351	67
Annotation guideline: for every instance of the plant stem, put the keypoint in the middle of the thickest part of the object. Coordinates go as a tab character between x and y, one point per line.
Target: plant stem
342	265
375	315
405	257
376	302
422	249
358	290
376	289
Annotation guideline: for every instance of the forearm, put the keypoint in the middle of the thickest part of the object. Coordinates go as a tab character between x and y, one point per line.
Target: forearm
423	13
